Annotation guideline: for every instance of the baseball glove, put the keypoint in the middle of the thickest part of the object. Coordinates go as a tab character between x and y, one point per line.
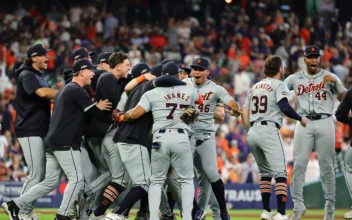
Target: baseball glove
190	115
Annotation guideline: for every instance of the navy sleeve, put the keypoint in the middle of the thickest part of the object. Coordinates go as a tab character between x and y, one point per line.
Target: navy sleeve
108	88
286	108
82	99
344	108
168	81
30	83
95	112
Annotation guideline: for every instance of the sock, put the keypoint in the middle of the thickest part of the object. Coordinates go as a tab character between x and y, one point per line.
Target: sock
265	191
135	194
111	193
281	194
219	191
171	201
144	206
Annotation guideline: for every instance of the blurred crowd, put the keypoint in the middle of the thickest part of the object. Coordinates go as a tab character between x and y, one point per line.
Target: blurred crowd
236	38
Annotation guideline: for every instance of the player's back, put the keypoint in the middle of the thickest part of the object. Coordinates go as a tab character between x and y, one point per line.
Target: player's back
168	104
263	98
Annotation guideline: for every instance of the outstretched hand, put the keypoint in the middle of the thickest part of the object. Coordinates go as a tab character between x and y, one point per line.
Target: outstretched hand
104	105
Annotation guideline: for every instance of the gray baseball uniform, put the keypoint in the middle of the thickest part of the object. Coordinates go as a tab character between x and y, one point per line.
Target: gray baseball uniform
315	101
171	144
34	154
265	116
205	162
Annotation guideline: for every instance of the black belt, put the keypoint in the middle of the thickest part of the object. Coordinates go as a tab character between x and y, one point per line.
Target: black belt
317	116
181	131
266	123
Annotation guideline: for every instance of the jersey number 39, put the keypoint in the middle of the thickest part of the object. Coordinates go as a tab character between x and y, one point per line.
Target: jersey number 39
260	104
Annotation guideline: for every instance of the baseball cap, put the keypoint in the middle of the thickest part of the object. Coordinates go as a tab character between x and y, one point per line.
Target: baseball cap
312	50
82	65
186	69
201	63
37	50
156	70
67	75
104	57
164	62
81	53
170	69
139	69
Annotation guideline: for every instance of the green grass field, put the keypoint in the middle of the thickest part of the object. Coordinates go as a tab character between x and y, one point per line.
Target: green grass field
49	214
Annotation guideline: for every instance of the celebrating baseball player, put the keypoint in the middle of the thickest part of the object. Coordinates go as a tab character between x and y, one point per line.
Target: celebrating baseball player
63	142
315	89
262	118
171	144
33	117
205	157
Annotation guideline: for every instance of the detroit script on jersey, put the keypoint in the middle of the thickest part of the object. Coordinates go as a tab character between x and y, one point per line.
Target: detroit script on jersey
212	95
313	95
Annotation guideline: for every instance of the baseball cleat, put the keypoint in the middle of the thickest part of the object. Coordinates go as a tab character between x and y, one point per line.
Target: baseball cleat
329	216
278	216
11	209
225	217
266	215
113	216
142	216
93	217
297	215
62	217
199	215
30	216
348	215
167	217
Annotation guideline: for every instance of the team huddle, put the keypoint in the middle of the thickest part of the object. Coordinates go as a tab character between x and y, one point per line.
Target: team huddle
151	133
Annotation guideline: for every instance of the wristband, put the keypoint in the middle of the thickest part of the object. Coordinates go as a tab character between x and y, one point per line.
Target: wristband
140	78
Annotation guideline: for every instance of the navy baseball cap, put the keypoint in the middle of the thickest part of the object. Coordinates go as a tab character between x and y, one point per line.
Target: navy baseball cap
104	57
164	62
156	70
201	63
37	50
140	69
81	53
67	75
312	50
184	68
82	65
170	68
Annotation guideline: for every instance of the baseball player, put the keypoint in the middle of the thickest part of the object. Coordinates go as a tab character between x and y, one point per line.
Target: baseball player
173	189
170	139
94	132
110	87
205	156
262	118
63	142
33	117
315	89
342	115
96	174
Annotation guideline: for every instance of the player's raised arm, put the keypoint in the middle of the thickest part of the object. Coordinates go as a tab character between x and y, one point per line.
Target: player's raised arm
142	107
131	85
338	84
